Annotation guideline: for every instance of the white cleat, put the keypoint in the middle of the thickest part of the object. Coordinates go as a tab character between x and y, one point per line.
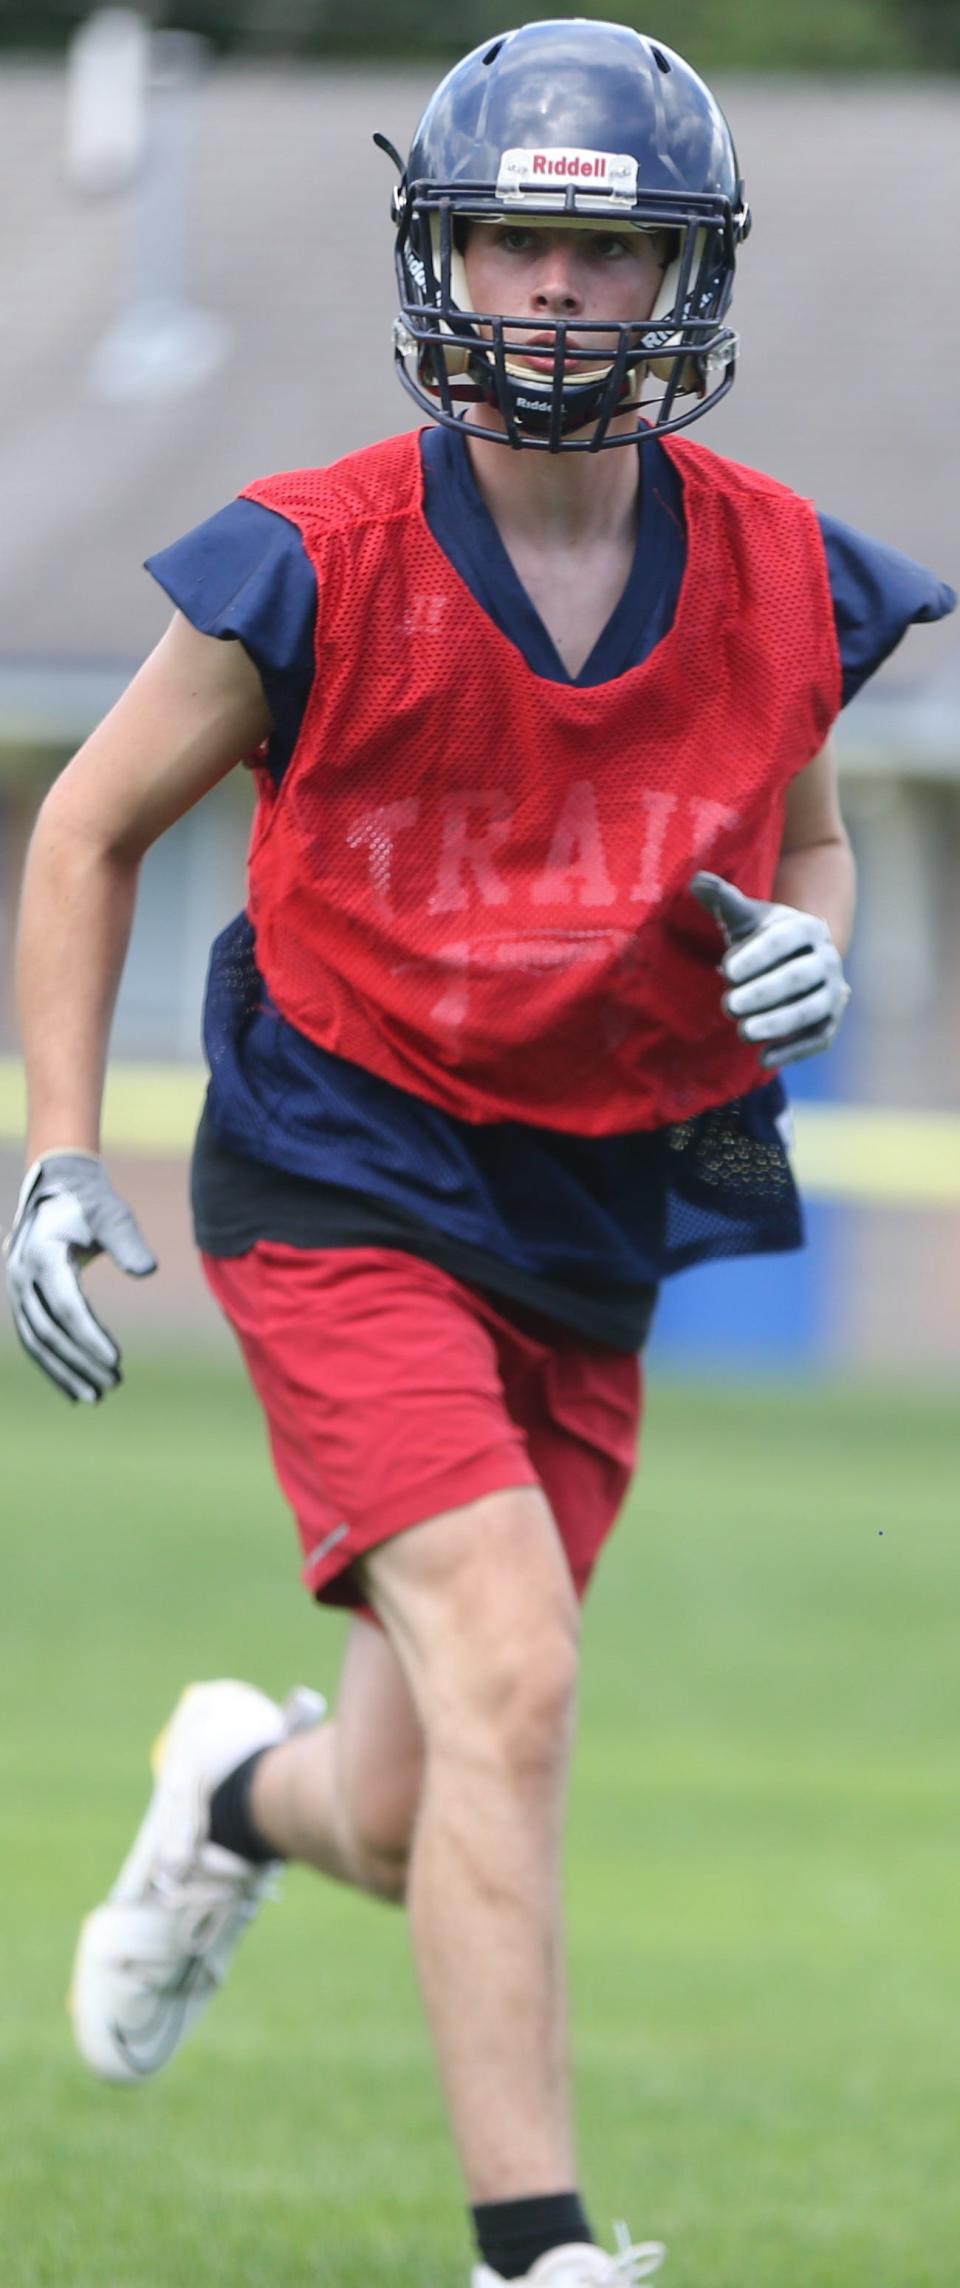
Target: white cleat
581	2265
151	1958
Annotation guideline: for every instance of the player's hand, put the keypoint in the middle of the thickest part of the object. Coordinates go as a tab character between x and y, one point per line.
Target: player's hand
789	991
67	1213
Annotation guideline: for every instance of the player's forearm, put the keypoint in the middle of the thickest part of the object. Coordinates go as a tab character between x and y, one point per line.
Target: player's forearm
820	878
75	919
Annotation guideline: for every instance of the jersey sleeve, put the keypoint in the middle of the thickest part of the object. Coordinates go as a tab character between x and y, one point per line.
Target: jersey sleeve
244	576
877	595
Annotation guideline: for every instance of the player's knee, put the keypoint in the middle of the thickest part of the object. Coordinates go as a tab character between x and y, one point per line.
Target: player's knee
510	1707
484	1603
533	1703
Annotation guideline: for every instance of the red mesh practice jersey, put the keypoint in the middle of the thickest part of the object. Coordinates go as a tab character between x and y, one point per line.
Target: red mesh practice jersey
473	881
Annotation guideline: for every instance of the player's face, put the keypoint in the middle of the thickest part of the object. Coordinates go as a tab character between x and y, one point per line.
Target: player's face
538	274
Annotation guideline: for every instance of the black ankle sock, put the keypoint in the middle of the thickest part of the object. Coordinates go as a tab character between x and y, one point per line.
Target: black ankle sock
512	2234
230	1823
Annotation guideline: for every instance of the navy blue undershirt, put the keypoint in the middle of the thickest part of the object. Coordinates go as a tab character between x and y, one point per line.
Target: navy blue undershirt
464	527
299	1145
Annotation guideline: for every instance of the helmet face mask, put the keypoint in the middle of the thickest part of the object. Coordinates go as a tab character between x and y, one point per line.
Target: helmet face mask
620	166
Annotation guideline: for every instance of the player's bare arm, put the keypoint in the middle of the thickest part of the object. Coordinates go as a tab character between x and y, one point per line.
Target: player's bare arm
194	710
816	871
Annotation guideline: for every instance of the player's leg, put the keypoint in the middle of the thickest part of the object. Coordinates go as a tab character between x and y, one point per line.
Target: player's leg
480	1607
343	1798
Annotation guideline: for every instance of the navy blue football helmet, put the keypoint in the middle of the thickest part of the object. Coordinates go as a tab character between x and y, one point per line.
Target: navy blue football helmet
582	123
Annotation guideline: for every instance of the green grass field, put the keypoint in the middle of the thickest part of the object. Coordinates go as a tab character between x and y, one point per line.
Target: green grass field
763	1863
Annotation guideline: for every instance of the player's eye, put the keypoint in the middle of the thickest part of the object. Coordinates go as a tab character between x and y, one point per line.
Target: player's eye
514	239
609	246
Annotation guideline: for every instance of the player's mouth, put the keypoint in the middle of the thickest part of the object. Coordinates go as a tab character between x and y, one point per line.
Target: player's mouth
544	360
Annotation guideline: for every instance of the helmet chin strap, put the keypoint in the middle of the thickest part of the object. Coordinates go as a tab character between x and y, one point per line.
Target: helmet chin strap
583	400
531	402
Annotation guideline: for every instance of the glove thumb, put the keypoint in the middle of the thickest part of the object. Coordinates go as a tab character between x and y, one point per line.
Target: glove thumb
118	1233
735	914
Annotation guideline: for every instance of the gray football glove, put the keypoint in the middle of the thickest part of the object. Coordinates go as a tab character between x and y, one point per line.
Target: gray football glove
67	1213
789	986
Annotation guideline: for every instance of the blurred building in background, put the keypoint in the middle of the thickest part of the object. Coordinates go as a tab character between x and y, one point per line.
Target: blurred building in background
200	289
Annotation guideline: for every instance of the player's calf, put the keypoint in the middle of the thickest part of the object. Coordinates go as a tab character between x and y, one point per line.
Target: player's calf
304	1800
344	1798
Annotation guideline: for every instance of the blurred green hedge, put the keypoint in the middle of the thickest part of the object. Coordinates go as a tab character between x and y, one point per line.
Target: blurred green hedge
810	35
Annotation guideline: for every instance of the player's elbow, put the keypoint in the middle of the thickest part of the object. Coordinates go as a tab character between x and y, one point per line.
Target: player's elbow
71	835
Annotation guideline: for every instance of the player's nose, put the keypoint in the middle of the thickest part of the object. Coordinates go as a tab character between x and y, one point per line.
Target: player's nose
556	288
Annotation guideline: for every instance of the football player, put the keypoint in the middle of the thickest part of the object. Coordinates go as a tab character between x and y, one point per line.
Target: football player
538	699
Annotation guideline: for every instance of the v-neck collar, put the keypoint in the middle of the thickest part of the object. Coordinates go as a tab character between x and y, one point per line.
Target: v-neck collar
464	528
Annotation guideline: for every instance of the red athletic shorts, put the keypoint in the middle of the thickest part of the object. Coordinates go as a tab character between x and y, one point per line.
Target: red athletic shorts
393	1392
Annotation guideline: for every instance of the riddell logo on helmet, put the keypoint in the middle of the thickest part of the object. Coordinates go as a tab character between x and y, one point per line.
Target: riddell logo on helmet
525	173
568	163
